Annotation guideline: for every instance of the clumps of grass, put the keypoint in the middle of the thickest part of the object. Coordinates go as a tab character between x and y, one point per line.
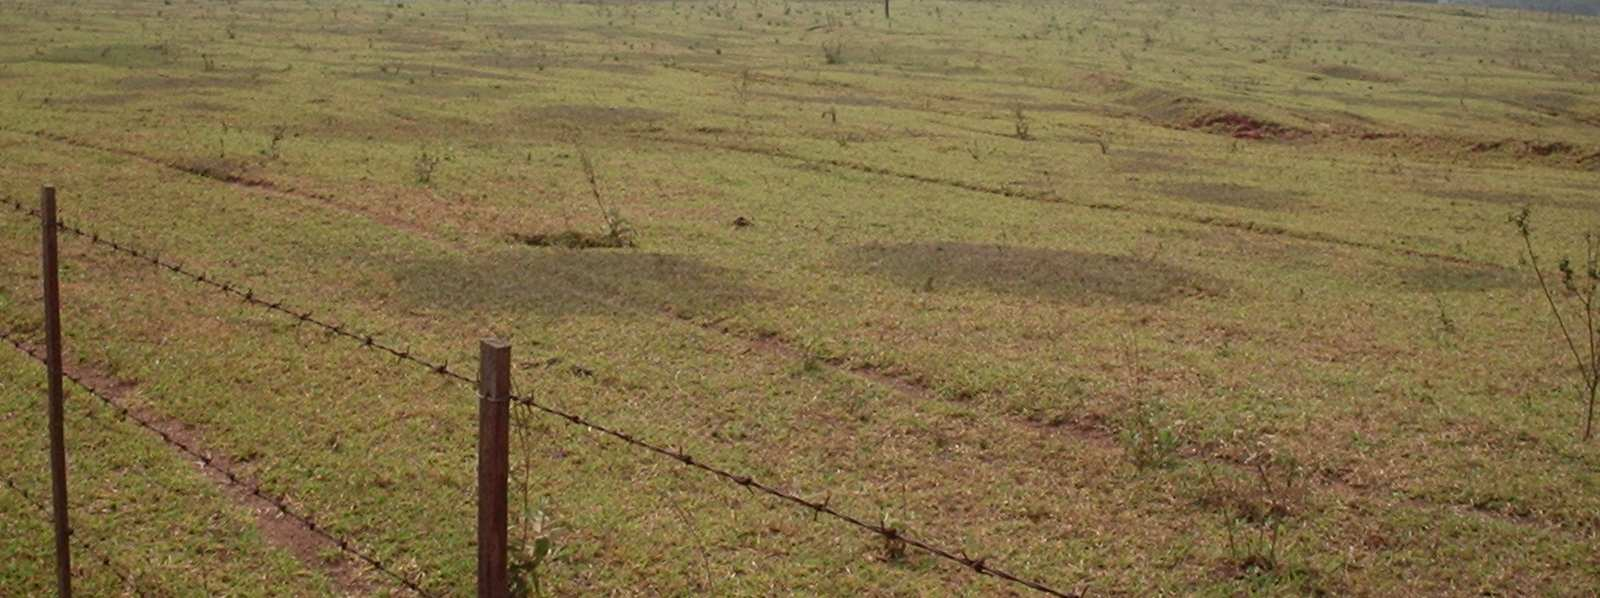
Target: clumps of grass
426	164
1447	324
222	142
221	169
808	365
530	552
571	239
278	134
534	547
975	150
833	52
1574	301
1020	122
894	546
1148	440
618	232
742	86
617	227
1258	508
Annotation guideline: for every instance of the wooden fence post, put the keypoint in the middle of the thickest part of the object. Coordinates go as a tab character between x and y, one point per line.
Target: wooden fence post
52	334
494	424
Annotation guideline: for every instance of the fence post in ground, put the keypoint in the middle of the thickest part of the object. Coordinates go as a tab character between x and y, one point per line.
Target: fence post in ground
52	332
494	425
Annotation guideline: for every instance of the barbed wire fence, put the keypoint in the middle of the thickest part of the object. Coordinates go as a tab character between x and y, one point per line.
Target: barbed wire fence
279	502
819	509
89	546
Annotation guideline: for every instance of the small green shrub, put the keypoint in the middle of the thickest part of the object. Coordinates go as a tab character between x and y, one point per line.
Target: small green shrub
617	232
530	552
1148	441
1020	122
1574	302
1258	508
426	164
618	229
833	52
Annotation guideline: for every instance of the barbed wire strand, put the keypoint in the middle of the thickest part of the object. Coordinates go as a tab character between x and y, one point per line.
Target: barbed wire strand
247	295
818	508
278	502
90	547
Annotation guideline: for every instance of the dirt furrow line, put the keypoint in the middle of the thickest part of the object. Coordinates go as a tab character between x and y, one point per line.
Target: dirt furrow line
907	386
282	532
256	184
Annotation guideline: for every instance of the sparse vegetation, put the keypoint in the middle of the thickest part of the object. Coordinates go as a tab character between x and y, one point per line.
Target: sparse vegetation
617	231
833	52
1574	301
1149	441
530	553
277	134
427	162
1258	507
1020	124
1024	270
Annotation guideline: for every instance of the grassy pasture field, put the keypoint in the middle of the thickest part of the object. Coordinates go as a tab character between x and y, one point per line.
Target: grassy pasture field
1130	297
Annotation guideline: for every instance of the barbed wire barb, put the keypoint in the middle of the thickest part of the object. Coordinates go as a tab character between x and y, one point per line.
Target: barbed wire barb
92	548
280	503
749	482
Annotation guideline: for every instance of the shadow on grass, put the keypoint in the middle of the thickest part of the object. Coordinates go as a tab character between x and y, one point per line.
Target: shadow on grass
1443	278
559	283
1049	274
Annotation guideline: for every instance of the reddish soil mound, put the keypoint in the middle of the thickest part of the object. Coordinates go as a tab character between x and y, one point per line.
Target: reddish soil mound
1546	149
1243	126
1540	149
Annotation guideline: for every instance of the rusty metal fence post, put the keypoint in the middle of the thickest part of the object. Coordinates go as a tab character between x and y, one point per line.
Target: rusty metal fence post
494	425
52	331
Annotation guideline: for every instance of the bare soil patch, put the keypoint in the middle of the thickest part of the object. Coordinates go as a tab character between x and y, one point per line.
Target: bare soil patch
1192	113
1243	126
572	239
